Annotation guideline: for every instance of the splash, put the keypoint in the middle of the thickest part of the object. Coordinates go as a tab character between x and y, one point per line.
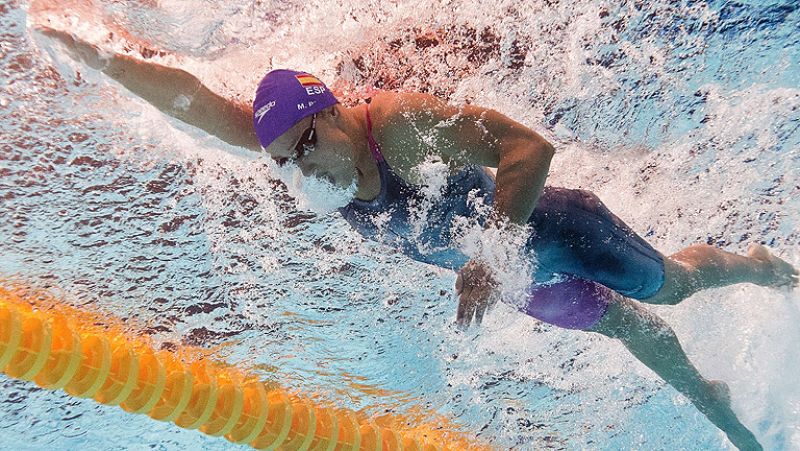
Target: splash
313	193
502	246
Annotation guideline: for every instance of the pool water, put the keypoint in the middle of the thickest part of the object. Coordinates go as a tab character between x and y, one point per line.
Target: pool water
684	117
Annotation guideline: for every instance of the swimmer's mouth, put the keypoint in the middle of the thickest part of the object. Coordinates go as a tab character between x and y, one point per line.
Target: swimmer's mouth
327	177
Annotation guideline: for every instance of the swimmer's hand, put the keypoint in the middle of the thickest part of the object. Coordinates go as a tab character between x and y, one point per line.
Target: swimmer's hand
477	291
79	50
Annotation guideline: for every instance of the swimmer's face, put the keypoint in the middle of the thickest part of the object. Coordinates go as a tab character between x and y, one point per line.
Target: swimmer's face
327	152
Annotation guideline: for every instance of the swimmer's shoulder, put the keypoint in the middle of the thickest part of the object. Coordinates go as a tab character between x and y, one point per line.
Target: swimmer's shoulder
400	108
396	126
399	117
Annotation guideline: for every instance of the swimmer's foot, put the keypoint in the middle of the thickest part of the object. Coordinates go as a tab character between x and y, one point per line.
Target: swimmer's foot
721	392
778	272
737	433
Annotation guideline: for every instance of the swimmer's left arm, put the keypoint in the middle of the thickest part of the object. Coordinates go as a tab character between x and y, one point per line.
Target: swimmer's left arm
422	124
524	162
474	135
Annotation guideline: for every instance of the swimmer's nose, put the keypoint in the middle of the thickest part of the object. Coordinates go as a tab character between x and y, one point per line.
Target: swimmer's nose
306	169
313	169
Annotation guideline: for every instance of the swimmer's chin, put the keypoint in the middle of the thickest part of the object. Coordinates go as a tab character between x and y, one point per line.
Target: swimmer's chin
320	192
329	178
322	195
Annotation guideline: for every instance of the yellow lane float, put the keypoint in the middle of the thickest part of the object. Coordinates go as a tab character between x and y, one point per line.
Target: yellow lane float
58	348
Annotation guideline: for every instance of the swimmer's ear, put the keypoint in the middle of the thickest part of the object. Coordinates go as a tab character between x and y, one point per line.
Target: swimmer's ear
334	111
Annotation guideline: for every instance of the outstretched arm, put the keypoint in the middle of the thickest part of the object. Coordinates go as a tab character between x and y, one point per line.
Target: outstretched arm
173	91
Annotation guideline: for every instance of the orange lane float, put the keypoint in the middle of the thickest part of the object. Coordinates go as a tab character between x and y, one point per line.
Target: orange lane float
58	348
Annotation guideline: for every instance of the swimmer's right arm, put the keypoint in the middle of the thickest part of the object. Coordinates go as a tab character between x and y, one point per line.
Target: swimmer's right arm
173	91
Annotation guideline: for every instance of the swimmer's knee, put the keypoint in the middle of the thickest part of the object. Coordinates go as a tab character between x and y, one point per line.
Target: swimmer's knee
625	318
589	196
694	256
687	276
678	284
613	323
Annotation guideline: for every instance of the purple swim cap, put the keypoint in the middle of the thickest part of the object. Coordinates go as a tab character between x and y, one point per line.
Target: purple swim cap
283	98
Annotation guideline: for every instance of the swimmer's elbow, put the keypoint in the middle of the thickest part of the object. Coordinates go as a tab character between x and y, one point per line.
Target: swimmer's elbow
531	148
543	147
550	149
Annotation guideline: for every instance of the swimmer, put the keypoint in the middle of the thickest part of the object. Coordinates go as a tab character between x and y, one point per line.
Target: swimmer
603	270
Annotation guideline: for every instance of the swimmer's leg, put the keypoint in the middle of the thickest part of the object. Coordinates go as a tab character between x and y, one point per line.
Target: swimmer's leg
702	266
654	343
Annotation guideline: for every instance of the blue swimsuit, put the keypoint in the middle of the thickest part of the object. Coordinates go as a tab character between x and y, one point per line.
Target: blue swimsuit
574	236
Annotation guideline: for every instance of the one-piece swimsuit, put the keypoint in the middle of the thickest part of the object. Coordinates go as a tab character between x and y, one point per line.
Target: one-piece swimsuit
582	249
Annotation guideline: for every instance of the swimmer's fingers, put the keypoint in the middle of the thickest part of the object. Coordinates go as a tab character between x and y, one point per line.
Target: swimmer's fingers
480	310
476	290
468	302
482	296
492	300
79	50
62	36
466	308
475	302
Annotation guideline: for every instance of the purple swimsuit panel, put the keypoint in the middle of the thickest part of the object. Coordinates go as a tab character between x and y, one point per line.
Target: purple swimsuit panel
572	304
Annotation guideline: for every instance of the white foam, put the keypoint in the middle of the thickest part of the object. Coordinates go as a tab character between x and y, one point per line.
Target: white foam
313	193
502	247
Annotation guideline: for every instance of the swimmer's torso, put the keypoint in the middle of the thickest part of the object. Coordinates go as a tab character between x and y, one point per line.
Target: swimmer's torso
418	220
573	233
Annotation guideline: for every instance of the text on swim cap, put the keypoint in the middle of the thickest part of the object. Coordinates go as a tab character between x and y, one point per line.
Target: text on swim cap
303	106
264	110
314	90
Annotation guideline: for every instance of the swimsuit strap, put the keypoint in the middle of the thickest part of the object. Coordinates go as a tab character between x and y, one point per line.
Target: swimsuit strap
373	145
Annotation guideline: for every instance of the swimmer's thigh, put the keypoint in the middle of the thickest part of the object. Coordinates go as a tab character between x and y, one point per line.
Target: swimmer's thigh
575	233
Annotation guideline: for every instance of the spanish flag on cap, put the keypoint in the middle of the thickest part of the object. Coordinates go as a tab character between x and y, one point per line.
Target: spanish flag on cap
283	98
308	80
